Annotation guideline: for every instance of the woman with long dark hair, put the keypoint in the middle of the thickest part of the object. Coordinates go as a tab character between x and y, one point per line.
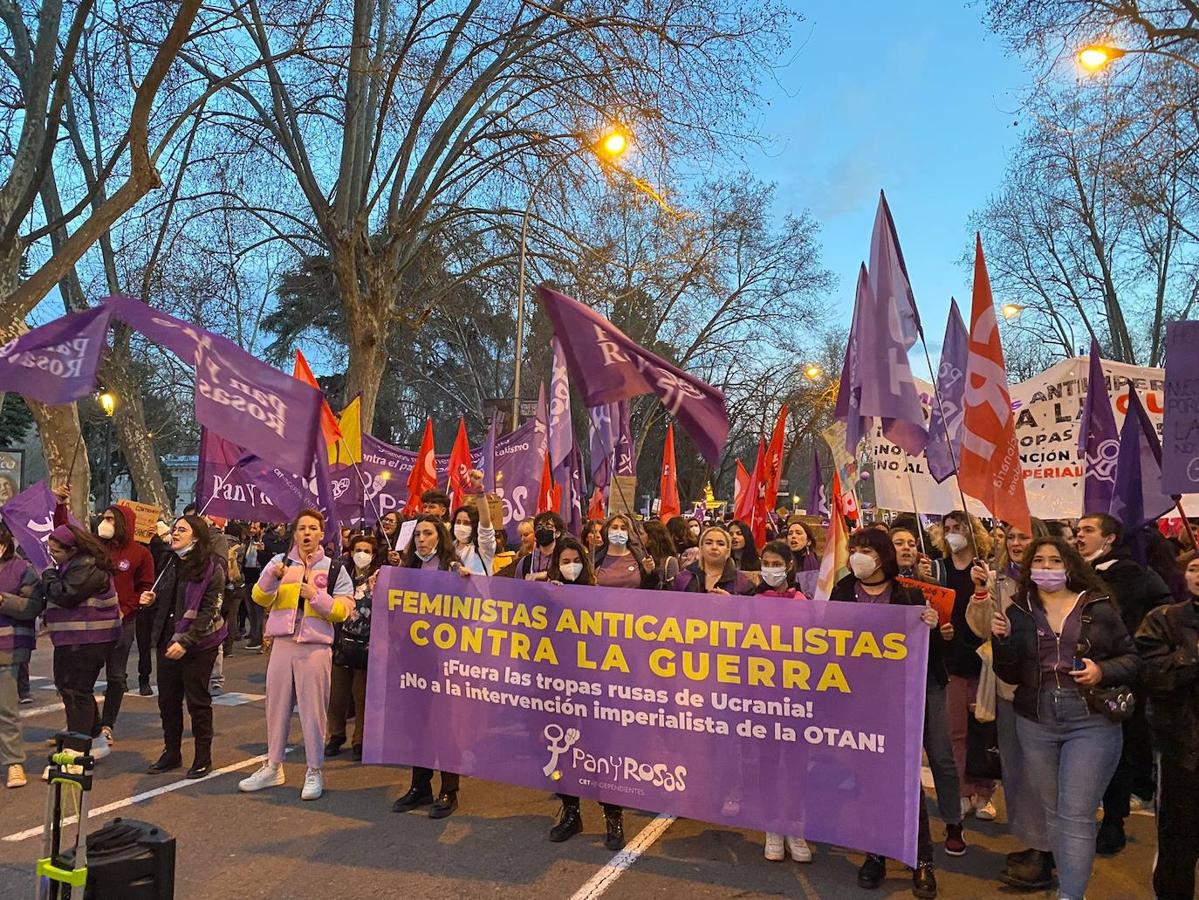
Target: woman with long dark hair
83	616
745	549
187	632
474	536
873	570
660	546
571	564
1059	640
431	548
686	544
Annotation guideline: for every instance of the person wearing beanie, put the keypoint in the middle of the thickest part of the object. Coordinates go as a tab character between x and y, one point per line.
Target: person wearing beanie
132	573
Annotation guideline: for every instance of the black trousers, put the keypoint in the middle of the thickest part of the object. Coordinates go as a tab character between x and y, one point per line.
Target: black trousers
145	647
116	672
254	612
422	779
610	809
1177	831
76	668
182	680
1134	772
229	611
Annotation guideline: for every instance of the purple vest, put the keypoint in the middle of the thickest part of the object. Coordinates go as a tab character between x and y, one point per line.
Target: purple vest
15	635
193	597
97	620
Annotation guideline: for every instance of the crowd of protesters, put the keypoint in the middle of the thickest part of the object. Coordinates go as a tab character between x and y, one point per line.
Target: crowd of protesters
1073	649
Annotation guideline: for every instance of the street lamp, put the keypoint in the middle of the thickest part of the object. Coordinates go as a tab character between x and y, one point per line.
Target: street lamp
108	403
813	372
1095	57
610	147
1012	310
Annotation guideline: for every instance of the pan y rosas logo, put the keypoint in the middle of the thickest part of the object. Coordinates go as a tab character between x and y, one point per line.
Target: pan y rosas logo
613	771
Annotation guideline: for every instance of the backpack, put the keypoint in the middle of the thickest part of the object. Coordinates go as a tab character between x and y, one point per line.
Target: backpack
234	570
353	638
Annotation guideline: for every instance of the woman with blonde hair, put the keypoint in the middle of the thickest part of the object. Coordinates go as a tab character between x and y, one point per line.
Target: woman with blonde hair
714	572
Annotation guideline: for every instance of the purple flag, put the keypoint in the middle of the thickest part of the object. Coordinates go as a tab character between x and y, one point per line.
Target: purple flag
1098	440
1138	497
849	391
1180	424
772	751
817	502
240	397
889	282
571	509
606	366
56	363
945	428
561	432
601	439
30	517
223	488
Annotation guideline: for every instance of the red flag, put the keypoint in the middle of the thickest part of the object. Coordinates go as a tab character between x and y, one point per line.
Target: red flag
740	484
989	466
668	488
595	512
546	492
774	459
744	508
460	465
424	473
329	426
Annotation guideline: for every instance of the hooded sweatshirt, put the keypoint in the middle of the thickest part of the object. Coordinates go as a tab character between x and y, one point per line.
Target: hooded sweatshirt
132	564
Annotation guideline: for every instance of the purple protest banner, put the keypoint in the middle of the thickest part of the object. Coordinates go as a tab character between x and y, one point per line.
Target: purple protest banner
798	717
1180	425
30	517
56	363
848	408
240	397
223	488
606	366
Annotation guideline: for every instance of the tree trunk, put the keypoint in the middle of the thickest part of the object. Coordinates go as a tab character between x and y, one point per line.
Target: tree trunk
129	422
368	327
66	457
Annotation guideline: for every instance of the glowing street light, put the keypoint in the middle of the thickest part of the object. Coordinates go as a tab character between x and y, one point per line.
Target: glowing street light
614	144
1096	56
108	402
813	372
1012	310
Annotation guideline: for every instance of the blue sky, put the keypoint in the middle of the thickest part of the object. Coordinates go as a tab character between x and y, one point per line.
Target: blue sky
917	98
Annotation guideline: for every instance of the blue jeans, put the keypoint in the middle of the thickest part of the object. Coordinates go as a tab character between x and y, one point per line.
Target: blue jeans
1025	811
939	747
1070	754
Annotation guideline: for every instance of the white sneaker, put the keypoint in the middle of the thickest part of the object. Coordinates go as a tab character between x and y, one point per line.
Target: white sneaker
774	847
268	776
984	809
16	776
799	849
967	807
100	748
314	785
107	733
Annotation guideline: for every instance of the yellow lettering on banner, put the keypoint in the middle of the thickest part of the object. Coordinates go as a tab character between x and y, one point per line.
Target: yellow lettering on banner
670	632
545	652
394	599
795	674
691	670
643	628
661	662
833	679
411	601
567	622
581	659
866	645
761	672
755	637
443	636
816	643
896	644
520	646
418	631
614	659
696	630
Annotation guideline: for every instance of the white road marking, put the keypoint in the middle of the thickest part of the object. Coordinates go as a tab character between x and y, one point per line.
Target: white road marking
39	710
606	877
142	797
236	698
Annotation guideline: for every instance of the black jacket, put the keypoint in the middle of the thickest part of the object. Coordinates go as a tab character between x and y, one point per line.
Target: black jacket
1135	589
1017	659
845	591
1169	643
170	600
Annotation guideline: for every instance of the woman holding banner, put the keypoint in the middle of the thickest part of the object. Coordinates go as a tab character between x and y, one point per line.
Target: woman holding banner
17	638
187	630
619	562
1030	869
873	570
571	565
304	601
1059	640
432	549
714	572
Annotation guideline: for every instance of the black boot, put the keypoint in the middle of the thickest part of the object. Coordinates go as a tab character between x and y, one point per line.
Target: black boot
415	797
444	805
143	688
170	759
569	824
333	748
1110	839
202	764
614	840
1034	872
873	871
1020	856
924	882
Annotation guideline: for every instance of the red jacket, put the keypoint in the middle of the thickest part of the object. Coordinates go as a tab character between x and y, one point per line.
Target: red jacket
133	566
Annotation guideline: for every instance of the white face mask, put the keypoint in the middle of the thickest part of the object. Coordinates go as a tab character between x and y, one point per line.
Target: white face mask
571	571
462	533
956	542
862	565
618	538
1103	548
183	551
774	575
362	559
105	530
425	557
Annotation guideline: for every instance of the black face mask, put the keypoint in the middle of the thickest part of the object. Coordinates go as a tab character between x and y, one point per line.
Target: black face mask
544	536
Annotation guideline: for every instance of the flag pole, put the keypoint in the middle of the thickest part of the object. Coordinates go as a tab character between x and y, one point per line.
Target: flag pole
220	482
915	508
1186	523
375	506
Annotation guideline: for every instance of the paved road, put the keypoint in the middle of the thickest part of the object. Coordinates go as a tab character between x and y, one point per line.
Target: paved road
349	844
